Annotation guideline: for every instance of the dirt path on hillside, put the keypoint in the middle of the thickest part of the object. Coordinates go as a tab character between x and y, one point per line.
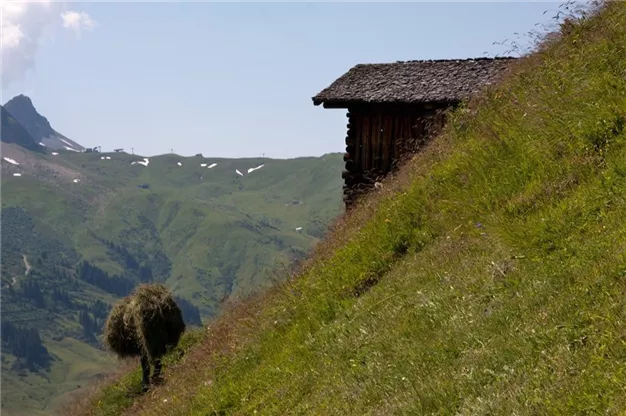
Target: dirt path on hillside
14	279
26	264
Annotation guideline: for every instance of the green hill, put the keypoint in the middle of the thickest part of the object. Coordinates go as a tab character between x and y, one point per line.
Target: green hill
80	230
489	278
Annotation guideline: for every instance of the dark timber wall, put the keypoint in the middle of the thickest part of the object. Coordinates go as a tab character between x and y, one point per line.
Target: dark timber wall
380	137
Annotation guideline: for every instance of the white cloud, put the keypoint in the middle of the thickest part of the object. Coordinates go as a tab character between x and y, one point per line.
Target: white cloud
11	36
77	21
23	28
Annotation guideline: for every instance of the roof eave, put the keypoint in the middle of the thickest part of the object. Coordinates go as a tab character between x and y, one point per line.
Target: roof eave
345	104
331	103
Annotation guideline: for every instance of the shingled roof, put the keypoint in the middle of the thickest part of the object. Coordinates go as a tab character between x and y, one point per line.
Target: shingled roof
432	81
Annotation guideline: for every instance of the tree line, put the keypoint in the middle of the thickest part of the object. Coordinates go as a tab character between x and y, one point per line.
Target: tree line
26	345
114	284
127	260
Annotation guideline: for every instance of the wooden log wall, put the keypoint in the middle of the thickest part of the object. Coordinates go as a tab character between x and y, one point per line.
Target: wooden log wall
378	140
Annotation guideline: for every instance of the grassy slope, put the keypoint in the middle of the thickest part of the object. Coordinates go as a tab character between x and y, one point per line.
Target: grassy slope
223	236
496	271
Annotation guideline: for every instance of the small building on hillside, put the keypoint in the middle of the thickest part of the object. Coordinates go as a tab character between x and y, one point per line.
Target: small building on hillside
394	108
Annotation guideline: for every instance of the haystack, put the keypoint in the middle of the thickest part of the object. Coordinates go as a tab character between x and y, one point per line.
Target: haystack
147	322
118	336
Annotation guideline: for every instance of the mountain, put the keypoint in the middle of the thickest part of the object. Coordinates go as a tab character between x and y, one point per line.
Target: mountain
11	131
22	109
80	230
486	278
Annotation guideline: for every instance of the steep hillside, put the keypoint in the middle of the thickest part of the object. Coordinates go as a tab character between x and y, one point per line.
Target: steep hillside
11	131
21	107
488	278
80	230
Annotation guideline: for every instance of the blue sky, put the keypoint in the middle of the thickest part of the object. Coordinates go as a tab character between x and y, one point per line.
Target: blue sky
236	79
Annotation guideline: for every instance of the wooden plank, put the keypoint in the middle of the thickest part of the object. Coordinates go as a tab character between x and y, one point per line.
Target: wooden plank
386	144
356	138
370	146
392	143
350	130
409	127
367	145
374	143
362	143
406	133
380	152
397	136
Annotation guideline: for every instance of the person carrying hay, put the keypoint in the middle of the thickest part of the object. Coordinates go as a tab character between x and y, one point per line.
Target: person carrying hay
147	323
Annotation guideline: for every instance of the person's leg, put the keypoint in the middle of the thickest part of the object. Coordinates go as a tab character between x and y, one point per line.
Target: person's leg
145	368
156	376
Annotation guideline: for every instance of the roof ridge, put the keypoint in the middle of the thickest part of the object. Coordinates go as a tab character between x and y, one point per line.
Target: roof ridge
482	58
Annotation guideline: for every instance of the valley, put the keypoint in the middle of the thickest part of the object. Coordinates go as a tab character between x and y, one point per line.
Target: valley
80	230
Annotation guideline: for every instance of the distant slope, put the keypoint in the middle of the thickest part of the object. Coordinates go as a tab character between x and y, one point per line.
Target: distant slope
11	131
21	107
91	226
489	279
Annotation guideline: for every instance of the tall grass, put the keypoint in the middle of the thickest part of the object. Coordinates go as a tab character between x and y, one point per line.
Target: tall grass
488	278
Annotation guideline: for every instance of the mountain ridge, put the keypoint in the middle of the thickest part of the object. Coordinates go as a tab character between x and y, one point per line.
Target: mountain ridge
21	107
11	131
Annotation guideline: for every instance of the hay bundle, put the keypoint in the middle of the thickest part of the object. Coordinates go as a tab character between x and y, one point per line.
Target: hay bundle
146	323
119	337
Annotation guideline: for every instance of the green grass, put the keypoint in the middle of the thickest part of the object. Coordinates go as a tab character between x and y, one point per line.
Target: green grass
121	394
495	269
206	239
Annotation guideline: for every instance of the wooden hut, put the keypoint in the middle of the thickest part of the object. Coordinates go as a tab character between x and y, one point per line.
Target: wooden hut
393	108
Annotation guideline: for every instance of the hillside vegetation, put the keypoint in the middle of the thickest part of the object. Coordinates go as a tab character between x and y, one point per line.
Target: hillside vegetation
488	278
80	230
